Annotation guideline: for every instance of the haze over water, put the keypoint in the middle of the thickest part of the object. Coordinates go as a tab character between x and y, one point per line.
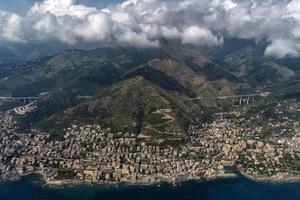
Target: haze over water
234	189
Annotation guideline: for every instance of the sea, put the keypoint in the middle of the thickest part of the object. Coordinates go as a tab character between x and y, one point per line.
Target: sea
30	188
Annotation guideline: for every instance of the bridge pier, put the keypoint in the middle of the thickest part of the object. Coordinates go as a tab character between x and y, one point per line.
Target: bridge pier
248	100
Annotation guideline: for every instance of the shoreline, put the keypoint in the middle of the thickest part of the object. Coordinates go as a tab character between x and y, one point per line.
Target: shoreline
62	183
290	179
71	183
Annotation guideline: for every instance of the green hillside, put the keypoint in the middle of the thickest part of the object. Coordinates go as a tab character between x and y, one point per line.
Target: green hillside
143	91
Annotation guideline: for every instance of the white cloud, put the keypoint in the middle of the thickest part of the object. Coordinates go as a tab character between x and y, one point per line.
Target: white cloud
200	36
143	22
293	9
61	8
281	48
10	27
228	4
95	27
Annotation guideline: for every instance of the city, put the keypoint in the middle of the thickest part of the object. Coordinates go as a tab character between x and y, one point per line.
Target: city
93	154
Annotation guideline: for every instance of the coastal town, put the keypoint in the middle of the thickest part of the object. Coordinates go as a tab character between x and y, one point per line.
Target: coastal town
259	148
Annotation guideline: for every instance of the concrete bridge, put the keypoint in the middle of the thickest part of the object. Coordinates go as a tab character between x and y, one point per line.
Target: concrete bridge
240	99
20	99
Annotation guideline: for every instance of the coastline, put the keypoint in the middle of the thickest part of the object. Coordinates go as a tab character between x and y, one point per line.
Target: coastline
70	183
241	188
58	183
270	179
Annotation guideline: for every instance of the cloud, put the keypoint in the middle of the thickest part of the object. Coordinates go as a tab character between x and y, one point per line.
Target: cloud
200	36
10	27
282	48
143	23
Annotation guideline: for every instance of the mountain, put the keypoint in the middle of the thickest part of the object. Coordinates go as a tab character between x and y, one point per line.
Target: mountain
134	105
143	91
12	52
246	60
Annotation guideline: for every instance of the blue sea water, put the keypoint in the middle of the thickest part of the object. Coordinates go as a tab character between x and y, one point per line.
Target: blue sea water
233	189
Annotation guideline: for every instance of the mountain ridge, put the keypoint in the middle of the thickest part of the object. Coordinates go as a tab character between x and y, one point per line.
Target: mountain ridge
174	73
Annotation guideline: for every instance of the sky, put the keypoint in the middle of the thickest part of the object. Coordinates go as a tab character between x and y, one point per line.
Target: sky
142	23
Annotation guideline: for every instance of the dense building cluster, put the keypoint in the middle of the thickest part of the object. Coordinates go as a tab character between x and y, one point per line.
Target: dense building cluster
96	154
